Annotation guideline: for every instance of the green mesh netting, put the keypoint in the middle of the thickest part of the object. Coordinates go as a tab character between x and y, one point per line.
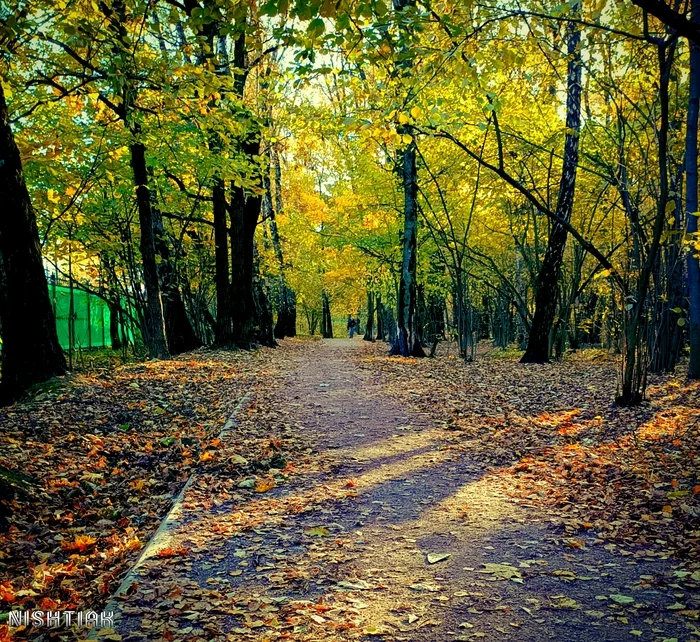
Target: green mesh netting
90	318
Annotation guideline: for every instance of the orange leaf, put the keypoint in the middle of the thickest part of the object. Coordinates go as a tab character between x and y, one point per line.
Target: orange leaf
172	552
47	604
6	592
79	544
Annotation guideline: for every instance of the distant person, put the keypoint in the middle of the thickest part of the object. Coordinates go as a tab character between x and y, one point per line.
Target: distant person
351	326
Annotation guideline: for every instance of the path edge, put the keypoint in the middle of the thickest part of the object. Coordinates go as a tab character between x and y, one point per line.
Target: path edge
159	540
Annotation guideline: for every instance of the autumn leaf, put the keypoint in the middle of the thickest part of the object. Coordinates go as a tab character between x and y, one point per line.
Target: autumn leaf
80	544
264	485
172	552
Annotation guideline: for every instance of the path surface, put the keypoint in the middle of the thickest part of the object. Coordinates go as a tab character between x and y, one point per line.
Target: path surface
342	549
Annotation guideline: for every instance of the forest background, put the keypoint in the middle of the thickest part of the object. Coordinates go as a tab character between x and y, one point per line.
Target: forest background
224	172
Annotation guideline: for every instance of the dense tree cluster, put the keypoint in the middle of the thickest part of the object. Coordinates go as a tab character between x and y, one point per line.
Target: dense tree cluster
222	171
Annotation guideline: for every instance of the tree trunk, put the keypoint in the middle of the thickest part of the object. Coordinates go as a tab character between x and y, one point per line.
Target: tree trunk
178	328
369	329
263	308
31	353
154	323
244	212
381	334
286	325
114	330
635	350
691	200
326	319
538	345
407	341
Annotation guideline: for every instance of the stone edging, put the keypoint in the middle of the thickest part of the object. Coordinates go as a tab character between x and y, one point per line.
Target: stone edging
162	537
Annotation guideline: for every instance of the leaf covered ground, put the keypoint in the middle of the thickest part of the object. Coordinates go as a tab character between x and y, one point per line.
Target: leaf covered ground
100	457
360	497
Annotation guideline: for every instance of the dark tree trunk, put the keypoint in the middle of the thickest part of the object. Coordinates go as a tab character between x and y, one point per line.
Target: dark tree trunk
635	350
666	337
691	199
113	302
369	328
263	307
547	289
178	328
286	325
244	212
381	333
434	329
326	320
154	323
31	353
114	331
389	325
153	327
312	321
407	341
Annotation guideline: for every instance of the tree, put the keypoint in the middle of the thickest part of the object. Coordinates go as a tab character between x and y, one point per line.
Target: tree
691	199
547	287
408	340
30	350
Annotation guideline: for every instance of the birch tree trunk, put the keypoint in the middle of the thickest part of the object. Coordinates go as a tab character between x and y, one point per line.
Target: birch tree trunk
547	287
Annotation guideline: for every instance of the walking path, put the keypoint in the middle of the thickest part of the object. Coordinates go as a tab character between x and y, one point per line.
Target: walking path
365	520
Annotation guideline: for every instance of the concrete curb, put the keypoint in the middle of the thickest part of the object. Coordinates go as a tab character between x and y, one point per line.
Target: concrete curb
163	536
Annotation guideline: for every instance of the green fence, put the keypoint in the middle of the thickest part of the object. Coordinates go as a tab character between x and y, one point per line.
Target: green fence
90	319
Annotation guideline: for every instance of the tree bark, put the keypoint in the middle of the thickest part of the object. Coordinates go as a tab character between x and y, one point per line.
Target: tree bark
369	328
154	323
263	308
634	354
381	334
286	325
179	332
691	199
407	341
244	212
547	289
326	319
31	353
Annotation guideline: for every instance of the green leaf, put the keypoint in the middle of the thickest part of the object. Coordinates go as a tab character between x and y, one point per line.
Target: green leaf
380	8
621	599
316	28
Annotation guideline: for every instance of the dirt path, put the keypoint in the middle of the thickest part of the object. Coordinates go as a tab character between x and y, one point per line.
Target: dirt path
380	525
